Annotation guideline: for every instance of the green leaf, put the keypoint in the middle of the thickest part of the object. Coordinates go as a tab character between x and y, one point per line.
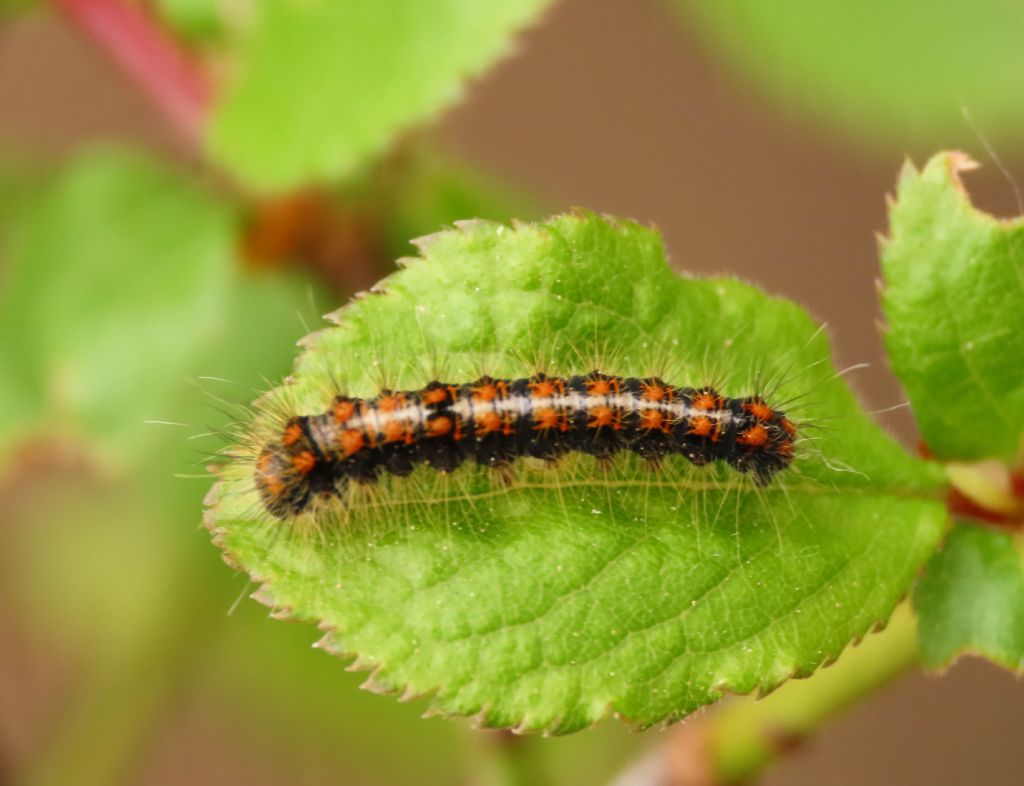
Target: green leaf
324	86
891	71
118	276
954	303
971	599
573	595
195	20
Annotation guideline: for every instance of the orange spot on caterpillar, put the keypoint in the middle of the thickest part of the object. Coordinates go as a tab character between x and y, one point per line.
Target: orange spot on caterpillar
343	410
351	441
292	434
485	393
394	430
486	422
599	387
652	419
755	436
601	417
546	418
544	388
439	426
706	399
435	395
700	426
390	403
650	392
274	485
759	409
303	462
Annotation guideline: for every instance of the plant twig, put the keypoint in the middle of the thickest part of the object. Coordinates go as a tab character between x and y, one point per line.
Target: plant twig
147	54
737	742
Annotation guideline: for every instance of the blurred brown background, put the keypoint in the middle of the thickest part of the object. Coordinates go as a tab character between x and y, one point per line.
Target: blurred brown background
735	184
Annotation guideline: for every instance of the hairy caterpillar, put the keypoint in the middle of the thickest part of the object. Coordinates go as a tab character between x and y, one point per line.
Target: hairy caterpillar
495	421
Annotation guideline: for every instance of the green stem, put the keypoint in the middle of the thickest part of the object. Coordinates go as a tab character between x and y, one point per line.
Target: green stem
746	736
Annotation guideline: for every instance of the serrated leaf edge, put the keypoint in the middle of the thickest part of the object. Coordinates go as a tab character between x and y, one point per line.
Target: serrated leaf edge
377	683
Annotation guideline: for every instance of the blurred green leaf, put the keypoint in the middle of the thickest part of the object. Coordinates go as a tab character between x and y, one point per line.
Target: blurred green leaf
196	20
553	604
78	526
971	599
324	86
117	277
954	303
104	569
892	71
431	191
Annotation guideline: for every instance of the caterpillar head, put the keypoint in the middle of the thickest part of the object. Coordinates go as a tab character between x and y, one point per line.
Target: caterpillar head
284	489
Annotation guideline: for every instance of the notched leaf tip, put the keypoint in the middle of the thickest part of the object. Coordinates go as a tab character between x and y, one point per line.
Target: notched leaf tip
469	225
424	242
960	162
908	174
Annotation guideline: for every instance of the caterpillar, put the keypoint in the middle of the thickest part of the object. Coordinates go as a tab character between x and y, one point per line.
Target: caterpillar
495	421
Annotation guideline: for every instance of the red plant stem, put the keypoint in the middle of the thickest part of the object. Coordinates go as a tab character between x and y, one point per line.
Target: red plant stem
143	50
964	507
